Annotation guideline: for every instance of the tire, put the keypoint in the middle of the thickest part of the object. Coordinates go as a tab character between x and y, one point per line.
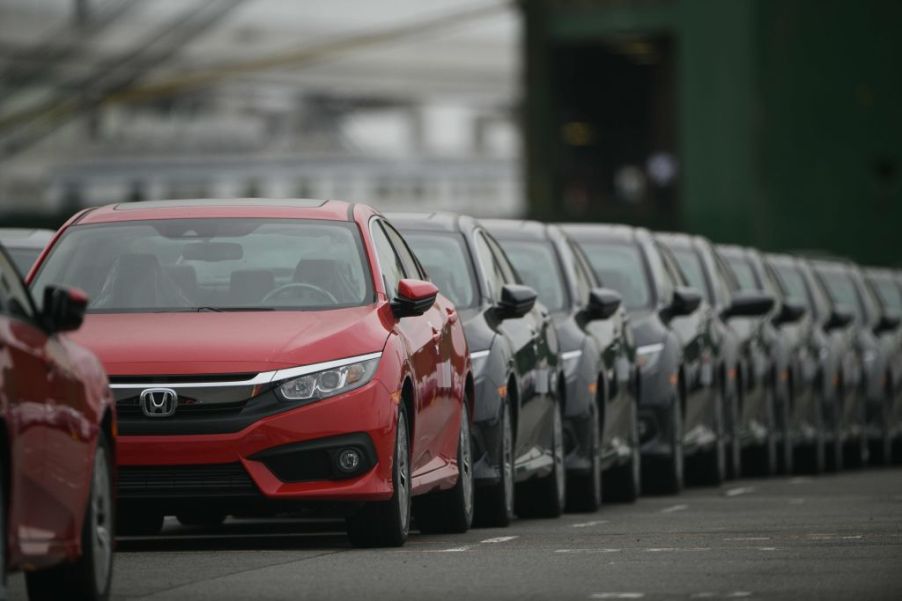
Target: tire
785	450
666	474
387	523
835	447
138	522
451	511
546	497
622	484
584	490
208	519
711	465
734	449
495	503
761	459
812	458
88	578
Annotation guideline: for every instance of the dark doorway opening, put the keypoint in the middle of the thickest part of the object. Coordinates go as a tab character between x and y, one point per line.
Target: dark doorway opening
615	110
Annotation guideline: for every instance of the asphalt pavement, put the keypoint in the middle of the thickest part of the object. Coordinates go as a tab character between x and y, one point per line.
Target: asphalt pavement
829	537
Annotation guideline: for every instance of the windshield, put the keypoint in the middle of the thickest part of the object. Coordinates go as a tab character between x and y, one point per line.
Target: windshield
23	258
538	265
841	290
793	284
621	267
889	293
446	261
211	264
691	265
745	275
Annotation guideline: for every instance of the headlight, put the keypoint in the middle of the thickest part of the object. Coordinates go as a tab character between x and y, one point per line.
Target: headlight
478	360
647	355
340	376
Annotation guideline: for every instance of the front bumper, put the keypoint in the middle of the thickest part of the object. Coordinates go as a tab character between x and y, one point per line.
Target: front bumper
247	465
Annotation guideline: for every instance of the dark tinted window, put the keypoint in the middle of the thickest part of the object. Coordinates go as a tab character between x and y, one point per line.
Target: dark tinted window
745	274
411	269
889	293
539	267
621	267
24	258
792	283
14	299
691	265
841	288
447	263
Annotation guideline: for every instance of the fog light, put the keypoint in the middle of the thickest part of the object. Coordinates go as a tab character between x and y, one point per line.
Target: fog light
349	460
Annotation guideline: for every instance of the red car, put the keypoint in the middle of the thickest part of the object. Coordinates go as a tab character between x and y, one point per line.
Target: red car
273	356
56	440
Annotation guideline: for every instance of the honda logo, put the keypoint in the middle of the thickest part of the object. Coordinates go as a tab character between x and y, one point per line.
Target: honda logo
159	402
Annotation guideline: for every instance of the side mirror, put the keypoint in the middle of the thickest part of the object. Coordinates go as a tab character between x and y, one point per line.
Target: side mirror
414	297
64	308
685	301
887	323
749	303
516	301
840	317
790	312
603	303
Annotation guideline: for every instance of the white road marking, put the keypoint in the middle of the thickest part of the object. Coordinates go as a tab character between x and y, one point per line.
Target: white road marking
749	538
740	490
767	548
659	549
616	595
673	508
588	550
589	524
451	550
857	536
498	539
702	595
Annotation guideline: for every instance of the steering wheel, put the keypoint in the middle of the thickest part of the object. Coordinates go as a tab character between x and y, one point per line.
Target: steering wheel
299	286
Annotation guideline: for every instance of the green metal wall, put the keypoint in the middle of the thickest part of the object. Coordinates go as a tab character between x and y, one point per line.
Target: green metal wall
789	115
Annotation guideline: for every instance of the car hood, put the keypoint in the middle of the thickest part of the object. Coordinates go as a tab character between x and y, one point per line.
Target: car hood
229	342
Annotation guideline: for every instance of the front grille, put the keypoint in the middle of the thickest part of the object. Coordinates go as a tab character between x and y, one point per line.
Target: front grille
131	407
178	481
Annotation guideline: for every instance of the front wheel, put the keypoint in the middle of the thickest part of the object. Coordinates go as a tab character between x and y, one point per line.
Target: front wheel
495	502
622	484
88	578
451	511
584	490
546	497
387	523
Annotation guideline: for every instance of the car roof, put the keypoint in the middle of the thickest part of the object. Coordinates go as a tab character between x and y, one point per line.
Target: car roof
521	229
332	210
25	237
434	222
604	231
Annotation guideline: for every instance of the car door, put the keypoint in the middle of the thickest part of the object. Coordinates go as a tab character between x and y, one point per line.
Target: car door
34	513
421	336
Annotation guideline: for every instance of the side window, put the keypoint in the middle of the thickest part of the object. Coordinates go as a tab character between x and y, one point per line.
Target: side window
672	269
502	263
408	260
14	299
392	269
583	280
493	273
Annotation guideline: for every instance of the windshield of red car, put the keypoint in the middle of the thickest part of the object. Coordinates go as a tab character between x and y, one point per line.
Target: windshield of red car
211	264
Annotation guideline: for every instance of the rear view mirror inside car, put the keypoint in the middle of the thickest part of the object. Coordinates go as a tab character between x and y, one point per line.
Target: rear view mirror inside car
212	251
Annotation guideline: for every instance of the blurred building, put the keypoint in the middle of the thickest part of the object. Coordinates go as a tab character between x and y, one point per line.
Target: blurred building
403	104
769	122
